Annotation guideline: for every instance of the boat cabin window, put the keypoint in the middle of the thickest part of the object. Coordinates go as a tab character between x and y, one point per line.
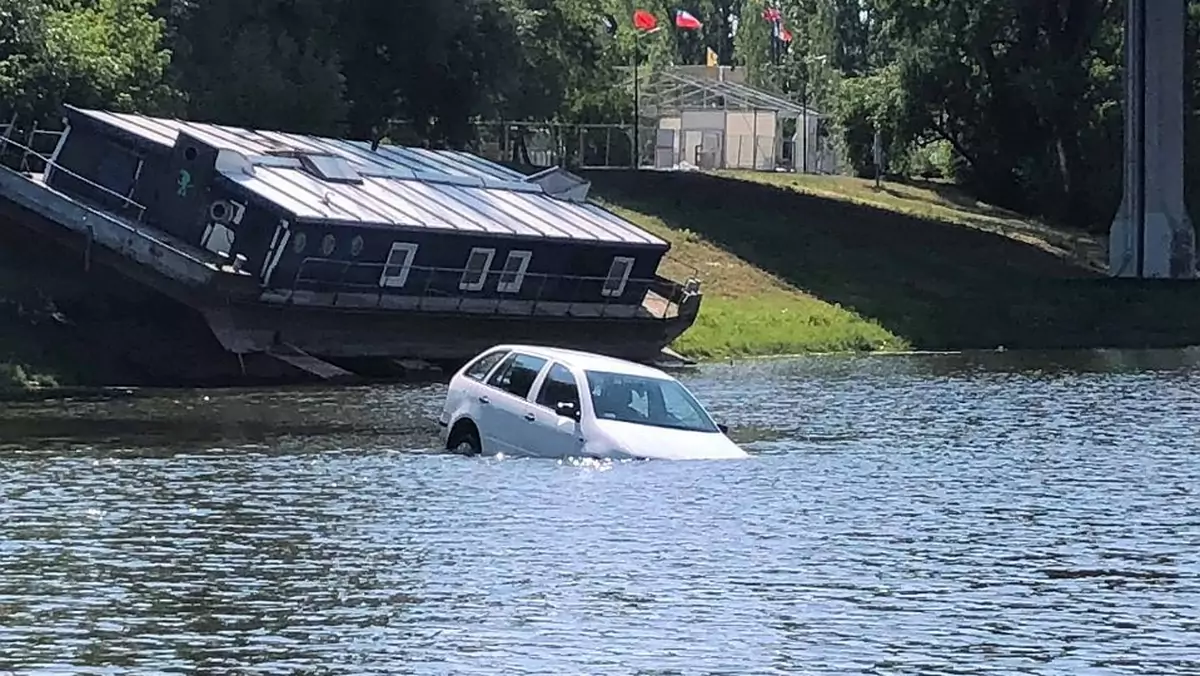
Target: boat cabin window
399	263
559	388
517	373
618	276
513	274
484	364
474	276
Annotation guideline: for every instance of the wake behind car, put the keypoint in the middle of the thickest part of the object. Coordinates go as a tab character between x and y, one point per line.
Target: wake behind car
524	400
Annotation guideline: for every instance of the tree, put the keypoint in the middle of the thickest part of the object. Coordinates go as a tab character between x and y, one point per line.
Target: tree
260	63
99	53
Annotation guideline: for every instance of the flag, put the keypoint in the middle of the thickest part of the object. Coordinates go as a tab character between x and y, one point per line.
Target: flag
686	21
643	20
713	59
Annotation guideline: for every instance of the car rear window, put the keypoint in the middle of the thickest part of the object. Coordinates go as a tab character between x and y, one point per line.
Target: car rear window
483	364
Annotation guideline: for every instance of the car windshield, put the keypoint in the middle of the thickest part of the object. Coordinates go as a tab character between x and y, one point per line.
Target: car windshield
646	401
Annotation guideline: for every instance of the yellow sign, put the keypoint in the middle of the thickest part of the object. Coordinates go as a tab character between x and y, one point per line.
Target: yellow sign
712	58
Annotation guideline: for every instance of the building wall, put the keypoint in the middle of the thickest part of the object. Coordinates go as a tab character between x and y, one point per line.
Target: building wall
667	155
703	129
750	139
808	124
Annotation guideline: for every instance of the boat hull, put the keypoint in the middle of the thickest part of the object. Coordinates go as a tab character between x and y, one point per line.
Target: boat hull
342	333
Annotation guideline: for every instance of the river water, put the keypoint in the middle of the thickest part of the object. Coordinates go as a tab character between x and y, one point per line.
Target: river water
967	514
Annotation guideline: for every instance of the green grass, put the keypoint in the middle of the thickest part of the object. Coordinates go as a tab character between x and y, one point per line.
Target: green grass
941	201
779	325
749	312
916	265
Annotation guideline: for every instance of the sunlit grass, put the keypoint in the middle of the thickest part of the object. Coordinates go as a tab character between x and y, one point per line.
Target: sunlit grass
749	312
779	325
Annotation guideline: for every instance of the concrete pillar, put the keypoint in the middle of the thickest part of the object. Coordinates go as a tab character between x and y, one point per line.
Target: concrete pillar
1152	234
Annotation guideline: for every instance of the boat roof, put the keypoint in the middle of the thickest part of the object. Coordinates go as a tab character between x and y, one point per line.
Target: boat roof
344	181
587	361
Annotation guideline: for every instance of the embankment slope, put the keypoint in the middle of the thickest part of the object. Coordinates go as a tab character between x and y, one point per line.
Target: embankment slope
918	266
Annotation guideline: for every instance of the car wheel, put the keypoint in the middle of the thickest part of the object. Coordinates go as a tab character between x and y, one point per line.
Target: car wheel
466	442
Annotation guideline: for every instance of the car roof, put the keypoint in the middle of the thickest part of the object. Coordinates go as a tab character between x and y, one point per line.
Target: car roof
588	361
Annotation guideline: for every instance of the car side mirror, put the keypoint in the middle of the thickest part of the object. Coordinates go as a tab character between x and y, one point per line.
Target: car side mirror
567	409
723	427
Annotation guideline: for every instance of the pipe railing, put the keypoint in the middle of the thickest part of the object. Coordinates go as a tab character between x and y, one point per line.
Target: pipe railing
566	289
48	163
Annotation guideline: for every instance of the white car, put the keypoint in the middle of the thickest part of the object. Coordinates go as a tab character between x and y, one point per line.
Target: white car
523	400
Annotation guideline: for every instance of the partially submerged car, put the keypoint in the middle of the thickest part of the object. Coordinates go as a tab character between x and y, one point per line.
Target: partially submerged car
524	400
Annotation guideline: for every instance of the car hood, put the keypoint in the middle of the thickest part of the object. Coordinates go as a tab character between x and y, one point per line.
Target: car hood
664	443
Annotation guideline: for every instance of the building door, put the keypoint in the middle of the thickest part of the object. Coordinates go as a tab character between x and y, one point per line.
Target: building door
711	153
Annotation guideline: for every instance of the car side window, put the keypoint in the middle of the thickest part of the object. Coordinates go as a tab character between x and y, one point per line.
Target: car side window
517	373
558	387
483	364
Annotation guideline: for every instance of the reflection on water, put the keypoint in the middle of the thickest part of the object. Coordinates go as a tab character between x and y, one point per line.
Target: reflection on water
990	513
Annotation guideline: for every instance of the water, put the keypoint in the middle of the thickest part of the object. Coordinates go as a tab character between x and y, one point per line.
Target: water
1016	514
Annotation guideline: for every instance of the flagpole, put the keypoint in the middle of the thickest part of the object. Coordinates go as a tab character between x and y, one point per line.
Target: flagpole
637	111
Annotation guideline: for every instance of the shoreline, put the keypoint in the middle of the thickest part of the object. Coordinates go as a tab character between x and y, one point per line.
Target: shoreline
785	274
9	394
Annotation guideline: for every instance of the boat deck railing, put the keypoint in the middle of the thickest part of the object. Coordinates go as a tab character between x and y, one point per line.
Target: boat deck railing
26	158
129	218
341	283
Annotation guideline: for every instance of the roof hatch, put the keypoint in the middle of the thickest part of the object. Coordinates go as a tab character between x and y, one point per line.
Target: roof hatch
561	184
330	168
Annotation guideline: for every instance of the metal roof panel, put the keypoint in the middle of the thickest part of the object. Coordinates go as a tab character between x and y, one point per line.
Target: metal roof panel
401	187
439	206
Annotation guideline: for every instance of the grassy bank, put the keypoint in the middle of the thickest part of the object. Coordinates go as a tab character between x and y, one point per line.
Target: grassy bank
807	263
748	311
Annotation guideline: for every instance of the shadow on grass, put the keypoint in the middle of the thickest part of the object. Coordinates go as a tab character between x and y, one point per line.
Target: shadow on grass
939	285
951	194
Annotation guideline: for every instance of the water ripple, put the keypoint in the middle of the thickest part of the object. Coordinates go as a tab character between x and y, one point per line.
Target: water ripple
950	514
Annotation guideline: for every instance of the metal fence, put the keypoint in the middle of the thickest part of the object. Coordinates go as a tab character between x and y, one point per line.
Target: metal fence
548	144
36	156
610	146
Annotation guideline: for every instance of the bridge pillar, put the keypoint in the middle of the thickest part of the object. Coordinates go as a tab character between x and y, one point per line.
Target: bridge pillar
1152	234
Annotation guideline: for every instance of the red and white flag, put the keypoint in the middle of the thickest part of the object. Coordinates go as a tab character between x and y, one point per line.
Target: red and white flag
686	21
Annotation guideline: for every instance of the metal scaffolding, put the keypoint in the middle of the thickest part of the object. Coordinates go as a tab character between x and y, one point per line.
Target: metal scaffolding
709	118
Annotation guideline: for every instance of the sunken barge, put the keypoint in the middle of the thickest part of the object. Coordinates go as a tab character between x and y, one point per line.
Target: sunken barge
327	254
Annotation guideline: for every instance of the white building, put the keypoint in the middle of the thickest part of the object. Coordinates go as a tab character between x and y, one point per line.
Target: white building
709	118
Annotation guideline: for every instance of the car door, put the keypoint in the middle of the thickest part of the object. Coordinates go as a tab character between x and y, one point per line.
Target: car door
506	413
554	435
467	386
